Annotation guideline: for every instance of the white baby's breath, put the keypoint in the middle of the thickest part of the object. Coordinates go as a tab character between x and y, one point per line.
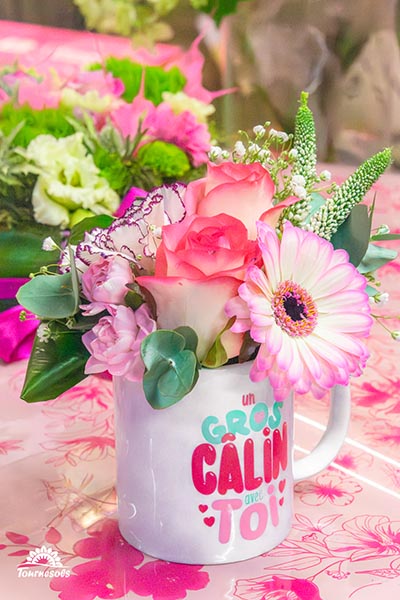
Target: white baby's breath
49	244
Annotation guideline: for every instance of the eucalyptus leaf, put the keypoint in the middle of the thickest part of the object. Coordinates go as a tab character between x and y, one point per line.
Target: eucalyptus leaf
376	257
49	296
191	339
316	201
354	234
172	368
371	291
56	365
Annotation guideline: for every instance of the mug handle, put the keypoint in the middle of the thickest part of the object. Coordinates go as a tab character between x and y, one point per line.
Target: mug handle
332	440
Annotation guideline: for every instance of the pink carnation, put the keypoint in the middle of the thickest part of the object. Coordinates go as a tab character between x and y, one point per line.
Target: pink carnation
114	343
105	283
183	130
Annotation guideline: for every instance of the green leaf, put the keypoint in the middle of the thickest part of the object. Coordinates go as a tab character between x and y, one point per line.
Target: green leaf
376	257
21	253
74	278
133	300
172	368
219	8
385	237
248	349
191	339
79	230
315	204
371	291
354	234
217	356
50	296
56	365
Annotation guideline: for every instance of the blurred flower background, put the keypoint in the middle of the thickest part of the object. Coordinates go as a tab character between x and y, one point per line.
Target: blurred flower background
346	54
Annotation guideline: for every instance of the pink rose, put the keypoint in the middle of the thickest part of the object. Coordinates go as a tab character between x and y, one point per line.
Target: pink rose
200	264
105	282
242	191
114	343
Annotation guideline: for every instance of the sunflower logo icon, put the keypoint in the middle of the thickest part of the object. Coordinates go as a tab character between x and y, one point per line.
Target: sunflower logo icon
42	557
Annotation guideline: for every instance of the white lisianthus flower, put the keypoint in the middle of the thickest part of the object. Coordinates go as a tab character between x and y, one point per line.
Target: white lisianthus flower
91	100
180	102
69	181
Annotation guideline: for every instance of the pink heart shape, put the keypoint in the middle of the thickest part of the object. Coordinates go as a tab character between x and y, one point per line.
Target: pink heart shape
209	521
203	508
259	416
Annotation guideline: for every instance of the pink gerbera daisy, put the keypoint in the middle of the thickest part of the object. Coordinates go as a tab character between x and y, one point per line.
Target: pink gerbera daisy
308	310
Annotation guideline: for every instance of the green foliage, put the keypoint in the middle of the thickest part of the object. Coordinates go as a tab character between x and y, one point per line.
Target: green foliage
55	365
113	169
217	356
172	366
156	79
376	257
79	230
337	208
21	250
305	142
218	9
50	296
354	234
51	121
165	159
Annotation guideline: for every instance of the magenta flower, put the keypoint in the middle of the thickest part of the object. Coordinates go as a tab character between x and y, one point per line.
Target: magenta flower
167	581
109	572
367	537
114	342
183	130
328	487
276	587
308	310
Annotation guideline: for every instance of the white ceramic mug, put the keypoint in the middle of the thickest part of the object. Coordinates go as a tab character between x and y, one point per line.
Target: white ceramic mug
210	479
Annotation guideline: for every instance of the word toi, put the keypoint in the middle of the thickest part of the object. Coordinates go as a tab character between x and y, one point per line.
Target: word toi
242	423
253	520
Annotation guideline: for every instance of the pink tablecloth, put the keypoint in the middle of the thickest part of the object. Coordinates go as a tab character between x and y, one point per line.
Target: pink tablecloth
57	472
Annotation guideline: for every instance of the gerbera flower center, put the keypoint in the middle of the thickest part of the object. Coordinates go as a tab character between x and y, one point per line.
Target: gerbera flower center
294	309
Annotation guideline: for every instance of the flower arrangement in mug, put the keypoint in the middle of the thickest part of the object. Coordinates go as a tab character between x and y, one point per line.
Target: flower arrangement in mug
255	261
80	144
